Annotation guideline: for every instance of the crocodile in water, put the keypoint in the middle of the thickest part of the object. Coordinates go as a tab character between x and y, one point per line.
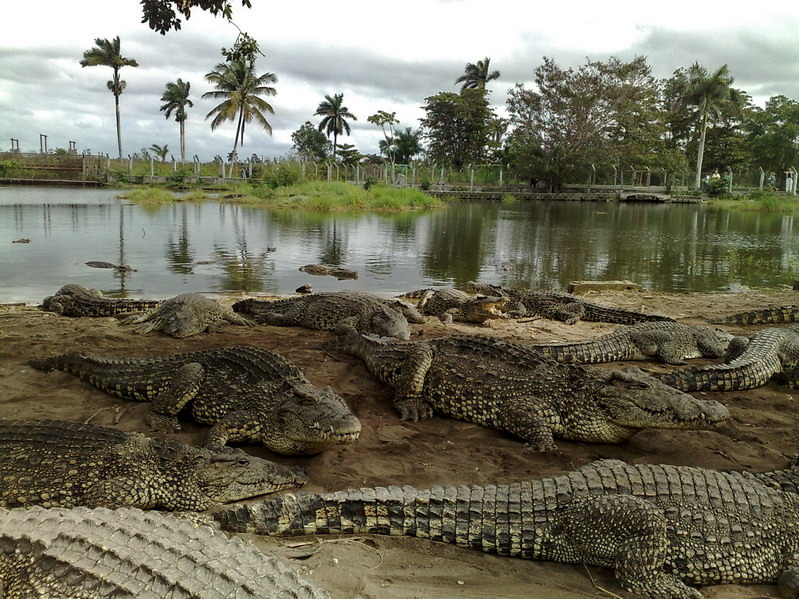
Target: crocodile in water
751	363
506	386
76	300
247	393
186	315
83	553
64	464
366	312
448	304
565	307
333	271
670	342
661	528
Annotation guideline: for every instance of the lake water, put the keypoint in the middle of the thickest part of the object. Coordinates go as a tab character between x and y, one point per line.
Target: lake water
214	247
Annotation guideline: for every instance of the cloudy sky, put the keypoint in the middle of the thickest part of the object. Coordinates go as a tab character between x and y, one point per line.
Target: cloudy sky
380	55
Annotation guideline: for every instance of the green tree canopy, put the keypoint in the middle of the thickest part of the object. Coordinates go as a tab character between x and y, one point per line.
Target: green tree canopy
386	121
476	75
160	151
162	15
310	143
772	134
407	145
176	99
108	54
334	118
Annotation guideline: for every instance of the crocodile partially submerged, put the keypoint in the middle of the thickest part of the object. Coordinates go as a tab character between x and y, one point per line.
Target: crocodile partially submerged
670	342
449	304
565	307
186	315
53	463
366	312
77	300
781	314
752	363
83	553
247	394
661	528
333	271
508	387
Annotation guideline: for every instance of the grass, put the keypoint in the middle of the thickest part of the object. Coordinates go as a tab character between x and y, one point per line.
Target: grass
149	195
760	201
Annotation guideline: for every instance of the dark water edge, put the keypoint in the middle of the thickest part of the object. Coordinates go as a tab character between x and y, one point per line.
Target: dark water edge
221	248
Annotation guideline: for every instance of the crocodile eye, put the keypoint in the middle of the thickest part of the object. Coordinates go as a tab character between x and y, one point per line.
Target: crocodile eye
243	462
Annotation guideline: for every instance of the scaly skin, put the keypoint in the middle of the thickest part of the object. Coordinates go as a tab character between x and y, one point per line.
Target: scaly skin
778	315
65	464
83	553
670	342
449	304
325	311
661	528
186	315
76	300
247	394
768	353
508	387
565	307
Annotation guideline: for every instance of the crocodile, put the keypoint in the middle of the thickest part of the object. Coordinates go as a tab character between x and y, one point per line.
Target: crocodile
117	267
661	528
127	553
505	386
185	315
333	271
670	342
53	463
77	300
751	363
777	315
448	304
368	313
564	307
246	393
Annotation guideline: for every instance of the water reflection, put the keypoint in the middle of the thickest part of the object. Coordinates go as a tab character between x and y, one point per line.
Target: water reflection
225	247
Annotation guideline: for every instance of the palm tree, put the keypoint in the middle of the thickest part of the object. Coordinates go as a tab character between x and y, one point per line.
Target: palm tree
708	92
475	76
407	144
334	113
160	151
176	99
240	87
107	54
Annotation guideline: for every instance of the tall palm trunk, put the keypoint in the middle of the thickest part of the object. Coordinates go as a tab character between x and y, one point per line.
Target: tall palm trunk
182	142
335	139
119	129
239	127
700	152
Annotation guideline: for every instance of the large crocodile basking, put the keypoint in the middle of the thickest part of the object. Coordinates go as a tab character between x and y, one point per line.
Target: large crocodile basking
557	305
65	464
83	553
448	304
77	300
670	342
661	528
752	363
186	315
508	387
366	312
246	393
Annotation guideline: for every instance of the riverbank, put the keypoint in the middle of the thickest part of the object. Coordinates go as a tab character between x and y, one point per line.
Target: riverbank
761	435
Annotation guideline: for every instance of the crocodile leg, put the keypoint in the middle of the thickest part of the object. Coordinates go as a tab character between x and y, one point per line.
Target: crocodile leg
527	420
167	404
788	582
568	313
659	344
408	398
275	318
232	318
237	426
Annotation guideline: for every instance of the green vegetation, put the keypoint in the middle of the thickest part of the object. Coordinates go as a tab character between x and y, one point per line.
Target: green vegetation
334	118
759	201
148	195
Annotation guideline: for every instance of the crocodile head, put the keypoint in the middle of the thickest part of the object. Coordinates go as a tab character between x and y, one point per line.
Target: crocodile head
484	308
232	475
712	342
187	314
632	399
310	420
386	322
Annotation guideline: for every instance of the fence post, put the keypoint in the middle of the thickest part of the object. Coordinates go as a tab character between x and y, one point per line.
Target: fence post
152	167
130	164
729	180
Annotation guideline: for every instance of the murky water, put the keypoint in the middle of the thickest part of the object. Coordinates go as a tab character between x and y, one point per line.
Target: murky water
213	247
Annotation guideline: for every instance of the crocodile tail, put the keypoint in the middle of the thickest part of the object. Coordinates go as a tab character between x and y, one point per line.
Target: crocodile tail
599	313
48	364
768	316
244	306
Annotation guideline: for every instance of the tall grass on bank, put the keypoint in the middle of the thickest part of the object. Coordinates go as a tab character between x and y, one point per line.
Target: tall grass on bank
760	201
148	195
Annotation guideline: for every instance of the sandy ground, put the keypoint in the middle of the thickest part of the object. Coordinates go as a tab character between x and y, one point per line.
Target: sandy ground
761	435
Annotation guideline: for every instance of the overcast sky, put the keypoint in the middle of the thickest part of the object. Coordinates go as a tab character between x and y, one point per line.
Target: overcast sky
380	55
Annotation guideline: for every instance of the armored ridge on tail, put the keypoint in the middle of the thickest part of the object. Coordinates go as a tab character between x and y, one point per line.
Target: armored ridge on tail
565	307
76	300
246	393
670	342
83	553
508	386
65	464
661	528
778	315
365	312
754	362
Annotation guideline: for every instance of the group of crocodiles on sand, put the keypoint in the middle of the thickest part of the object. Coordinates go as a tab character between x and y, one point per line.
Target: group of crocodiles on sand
71	494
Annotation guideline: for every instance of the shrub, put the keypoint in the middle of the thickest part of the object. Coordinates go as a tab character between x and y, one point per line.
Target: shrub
717	187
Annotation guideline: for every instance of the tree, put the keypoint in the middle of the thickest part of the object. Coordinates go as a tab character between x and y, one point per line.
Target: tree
349	154
407	144
708	92
475	76
160	151
176	99
383	120
334	115
310	143
160	16
240	88
773	134
107	54
457	127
